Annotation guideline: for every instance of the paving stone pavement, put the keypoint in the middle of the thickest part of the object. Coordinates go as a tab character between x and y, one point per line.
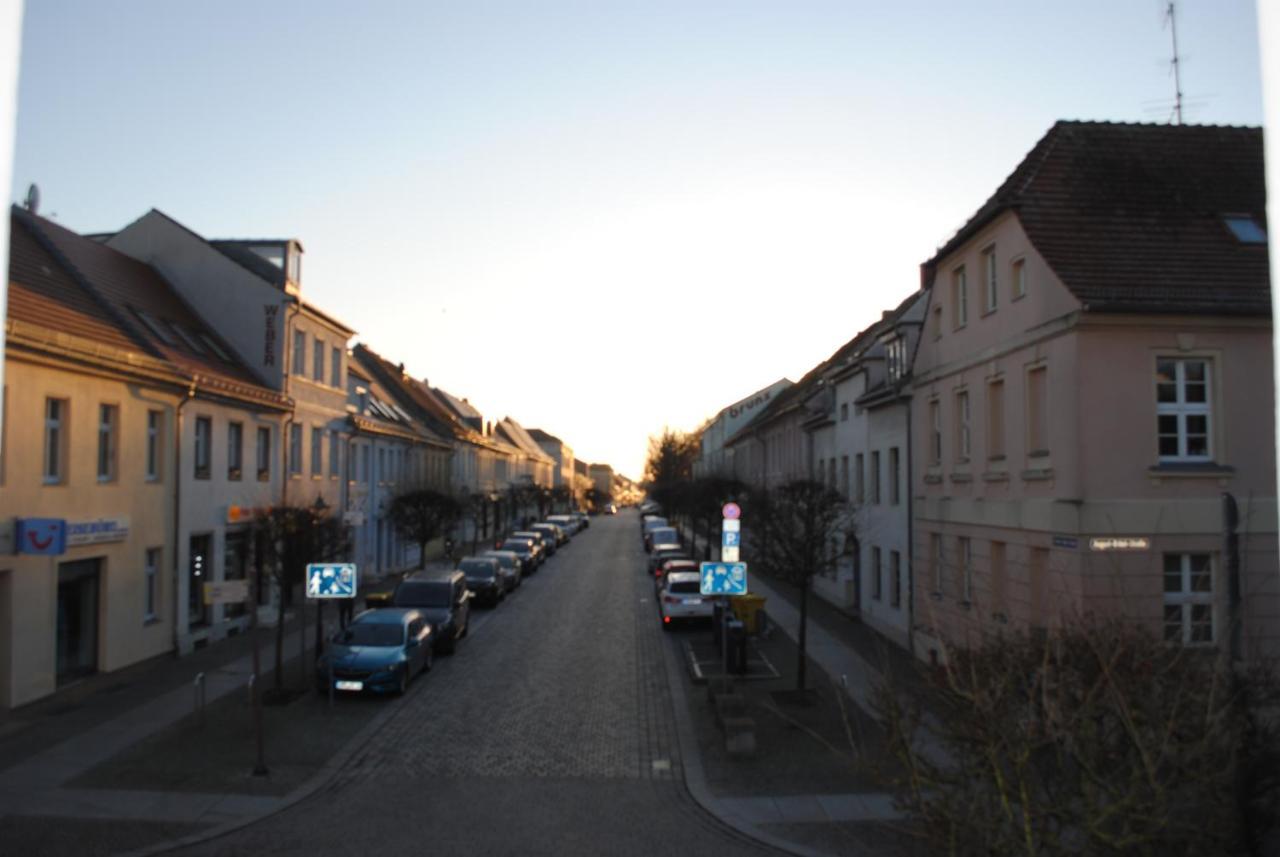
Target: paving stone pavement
551	731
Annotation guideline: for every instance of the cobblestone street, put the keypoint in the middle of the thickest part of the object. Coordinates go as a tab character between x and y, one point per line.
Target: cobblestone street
551	731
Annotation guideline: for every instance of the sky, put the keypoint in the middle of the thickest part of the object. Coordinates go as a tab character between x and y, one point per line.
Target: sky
599	218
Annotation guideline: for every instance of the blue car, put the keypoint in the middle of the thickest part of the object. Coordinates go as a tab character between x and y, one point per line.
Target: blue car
379	652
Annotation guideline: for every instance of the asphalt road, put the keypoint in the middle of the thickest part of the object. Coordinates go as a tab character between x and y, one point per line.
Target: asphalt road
551	731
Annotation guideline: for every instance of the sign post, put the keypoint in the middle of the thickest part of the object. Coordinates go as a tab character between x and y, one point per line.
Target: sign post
331	580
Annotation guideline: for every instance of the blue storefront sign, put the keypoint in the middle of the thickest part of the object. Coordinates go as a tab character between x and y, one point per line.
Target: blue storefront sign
47	536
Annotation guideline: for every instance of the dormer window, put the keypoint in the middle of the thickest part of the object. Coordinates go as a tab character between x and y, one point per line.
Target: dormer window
293	273
1246	229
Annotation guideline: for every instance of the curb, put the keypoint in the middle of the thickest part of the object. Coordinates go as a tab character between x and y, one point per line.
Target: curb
695	778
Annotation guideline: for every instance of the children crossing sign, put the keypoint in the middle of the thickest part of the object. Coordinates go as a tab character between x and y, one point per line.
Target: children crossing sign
724	578
331	580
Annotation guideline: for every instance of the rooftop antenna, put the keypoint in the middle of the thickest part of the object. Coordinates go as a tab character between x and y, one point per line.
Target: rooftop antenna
1177	74
32	202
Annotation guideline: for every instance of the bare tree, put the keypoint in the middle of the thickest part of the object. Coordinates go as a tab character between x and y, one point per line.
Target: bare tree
805	529
423	515
1095	738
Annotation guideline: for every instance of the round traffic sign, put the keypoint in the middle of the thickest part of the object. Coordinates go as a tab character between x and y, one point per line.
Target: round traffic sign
732	511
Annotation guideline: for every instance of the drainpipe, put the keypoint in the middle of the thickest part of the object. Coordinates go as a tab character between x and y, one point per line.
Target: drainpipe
911	545
177	507
288	423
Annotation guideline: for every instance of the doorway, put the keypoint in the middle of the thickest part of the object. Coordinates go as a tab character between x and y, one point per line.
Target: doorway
200	559
78	585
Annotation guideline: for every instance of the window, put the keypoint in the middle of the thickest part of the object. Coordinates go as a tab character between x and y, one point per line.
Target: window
204	443
844	476
295	450
995	420
264	453
935	553
335	457
844	412
108	418
1038	411
335	368
896	358
235	449
966	569
861	494
999	581
1183	410
317	361
299	353
962	425
876	583
1018	275
960	298
937	322
151	584
935	432
895	579
157	327
821	472
875	477
55	441
989	277
831	474
317	450
1188	598
894	496
155	424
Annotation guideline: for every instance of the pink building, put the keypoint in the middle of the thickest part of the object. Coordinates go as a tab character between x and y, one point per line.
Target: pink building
1094	375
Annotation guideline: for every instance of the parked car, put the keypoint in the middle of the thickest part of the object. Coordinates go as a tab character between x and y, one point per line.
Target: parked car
584	520
380	651
568	523
661	536
445	600
545	540
511	566
527	548
666	567
649	526
557	534
650	519
484	578
662	553
681	599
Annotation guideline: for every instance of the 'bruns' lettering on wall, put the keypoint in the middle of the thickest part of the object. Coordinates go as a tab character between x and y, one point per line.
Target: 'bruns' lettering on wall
269	335
743	407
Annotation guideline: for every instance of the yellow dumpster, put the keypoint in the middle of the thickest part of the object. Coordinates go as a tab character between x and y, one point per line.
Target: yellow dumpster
747	608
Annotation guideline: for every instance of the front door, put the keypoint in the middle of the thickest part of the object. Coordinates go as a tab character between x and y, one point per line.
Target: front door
200	560
78	584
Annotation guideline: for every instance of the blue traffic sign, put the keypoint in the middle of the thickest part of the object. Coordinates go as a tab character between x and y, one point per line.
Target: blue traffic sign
724	578
331	580
46	536
731	540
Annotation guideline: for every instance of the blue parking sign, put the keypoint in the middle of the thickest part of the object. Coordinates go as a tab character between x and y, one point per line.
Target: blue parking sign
331	580
731	540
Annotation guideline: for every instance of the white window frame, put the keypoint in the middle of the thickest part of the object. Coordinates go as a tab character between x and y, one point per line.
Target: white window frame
860	478
335	368
877	582
108	432
935	445
990	278
1185	599
151	583
875	477
55	440
317	452
964	432
966	569
960	296
335	455
895	580
155	429
939	559
235	450
895	467
202	463
1181	409
295	449
1018	277
300	353
262	452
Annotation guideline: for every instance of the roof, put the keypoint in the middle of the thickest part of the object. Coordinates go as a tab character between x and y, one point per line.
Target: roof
409	394
515	434
1130	216
461	407
145	310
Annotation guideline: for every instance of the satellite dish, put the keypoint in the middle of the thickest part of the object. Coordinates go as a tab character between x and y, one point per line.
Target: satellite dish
32	202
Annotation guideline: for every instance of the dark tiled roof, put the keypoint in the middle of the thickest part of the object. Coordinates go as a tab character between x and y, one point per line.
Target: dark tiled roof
137	297
42	292
1130	217
410	395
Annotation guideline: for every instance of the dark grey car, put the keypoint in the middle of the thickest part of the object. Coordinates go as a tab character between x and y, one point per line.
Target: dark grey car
445	600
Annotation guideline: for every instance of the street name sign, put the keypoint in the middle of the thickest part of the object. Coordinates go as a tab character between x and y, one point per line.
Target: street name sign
724	578
331	580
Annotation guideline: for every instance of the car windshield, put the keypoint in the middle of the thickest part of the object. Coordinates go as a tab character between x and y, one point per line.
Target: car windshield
506	561
517	545
423	593
685	587
476	568
372	634
665	534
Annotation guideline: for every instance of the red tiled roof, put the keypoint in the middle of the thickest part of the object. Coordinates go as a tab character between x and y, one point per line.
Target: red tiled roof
137	297
1130	217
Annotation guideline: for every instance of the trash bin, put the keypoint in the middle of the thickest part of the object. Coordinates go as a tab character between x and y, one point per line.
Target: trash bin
748	608
735	650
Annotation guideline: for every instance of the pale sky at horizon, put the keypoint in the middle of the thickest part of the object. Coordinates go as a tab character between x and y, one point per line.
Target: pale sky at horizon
597	218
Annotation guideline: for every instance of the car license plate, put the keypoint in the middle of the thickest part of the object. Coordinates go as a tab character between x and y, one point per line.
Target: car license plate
691	601
349	685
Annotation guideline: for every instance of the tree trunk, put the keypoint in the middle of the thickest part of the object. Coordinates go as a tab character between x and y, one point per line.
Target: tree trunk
804	628
319	636
302	634
279	670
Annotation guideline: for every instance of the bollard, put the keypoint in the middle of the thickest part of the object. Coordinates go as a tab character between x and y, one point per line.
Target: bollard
198	698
